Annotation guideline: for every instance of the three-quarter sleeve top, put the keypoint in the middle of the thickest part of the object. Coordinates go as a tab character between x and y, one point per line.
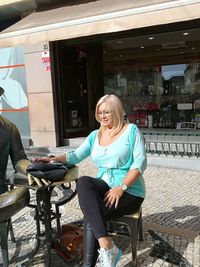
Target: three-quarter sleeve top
114	161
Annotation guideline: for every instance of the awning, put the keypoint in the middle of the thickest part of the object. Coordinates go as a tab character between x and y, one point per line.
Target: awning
97	17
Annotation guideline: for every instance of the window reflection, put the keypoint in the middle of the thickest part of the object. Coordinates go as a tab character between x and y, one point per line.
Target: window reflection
162	96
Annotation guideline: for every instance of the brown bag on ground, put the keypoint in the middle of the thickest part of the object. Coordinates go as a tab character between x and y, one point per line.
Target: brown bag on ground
70	246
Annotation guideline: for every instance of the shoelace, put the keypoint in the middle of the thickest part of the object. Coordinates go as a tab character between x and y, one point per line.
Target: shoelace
101	257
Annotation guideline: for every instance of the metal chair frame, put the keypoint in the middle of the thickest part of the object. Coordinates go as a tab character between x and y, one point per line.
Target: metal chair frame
11	207
135	229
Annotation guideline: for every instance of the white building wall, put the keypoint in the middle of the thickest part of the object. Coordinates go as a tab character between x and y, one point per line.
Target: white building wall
39	88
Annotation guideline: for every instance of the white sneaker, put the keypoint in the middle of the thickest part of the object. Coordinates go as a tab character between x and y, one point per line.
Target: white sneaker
109	258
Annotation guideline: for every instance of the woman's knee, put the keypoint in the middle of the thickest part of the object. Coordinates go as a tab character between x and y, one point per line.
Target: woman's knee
88	184
83	182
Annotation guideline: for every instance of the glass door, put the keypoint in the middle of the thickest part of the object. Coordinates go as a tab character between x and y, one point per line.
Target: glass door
74	91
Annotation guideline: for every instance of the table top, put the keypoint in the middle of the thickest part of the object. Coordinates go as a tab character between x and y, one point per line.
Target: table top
20	179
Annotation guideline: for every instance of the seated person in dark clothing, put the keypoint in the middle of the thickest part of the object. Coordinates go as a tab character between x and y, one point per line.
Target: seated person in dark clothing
10	146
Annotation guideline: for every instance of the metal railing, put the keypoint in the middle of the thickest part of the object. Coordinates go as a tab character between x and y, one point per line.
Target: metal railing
172	143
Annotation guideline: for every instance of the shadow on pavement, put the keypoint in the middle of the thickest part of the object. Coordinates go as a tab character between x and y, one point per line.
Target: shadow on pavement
181	220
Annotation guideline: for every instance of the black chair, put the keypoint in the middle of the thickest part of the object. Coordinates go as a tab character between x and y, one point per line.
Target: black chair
135	229
10	203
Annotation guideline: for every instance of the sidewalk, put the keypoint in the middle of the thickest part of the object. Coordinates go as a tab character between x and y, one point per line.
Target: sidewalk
171	217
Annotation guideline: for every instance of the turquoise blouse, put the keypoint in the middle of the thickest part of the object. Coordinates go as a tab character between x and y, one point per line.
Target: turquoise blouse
115	160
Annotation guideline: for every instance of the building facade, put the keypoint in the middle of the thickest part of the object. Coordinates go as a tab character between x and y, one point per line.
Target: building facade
147	53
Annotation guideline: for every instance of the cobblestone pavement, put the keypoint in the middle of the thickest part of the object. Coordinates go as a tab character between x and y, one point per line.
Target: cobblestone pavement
171	218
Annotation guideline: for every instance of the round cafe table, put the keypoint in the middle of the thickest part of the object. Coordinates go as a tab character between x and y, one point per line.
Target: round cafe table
44	213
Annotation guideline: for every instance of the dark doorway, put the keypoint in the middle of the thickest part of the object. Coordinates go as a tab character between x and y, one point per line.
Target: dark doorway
78	82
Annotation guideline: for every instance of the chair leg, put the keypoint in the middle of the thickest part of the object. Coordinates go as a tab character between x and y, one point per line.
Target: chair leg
133	227
140	228
10	227
4	242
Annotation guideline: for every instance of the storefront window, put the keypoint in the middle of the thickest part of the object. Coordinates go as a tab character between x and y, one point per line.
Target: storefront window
157	77
161	96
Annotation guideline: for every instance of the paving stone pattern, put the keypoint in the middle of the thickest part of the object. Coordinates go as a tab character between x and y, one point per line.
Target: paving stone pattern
171	217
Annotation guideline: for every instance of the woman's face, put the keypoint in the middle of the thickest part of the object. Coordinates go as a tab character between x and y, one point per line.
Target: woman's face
105	116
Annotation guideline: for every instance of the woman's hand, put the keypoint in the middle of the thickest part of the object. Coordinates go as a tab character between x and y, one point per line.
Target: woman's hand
42	159
59	158
112	197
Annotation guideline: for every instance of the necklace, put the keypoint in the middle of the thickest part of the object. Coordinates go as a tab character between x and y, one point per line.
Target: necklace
109	132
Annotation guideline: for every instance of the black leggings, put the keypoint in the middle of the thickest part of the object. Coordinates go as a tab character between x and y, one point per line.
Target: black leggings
91	192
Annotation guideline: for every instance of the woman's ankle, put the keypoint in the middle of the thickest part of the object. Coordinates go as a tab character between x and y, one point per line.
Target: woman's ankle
105	242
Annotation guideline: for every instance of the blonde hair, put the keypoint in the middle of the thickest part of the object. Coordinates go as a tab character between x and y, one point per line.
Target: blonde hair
116	108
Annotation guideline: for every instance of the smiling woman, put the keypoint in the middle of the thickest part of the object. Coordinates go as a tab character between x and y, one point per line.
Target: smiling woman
117	149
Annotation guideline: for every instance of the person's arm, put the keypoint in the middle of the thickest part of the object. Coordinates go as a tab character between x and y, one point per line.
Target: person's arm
60	158
139	153
114	194
17	153
22	165
138	166
72	157
75	156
